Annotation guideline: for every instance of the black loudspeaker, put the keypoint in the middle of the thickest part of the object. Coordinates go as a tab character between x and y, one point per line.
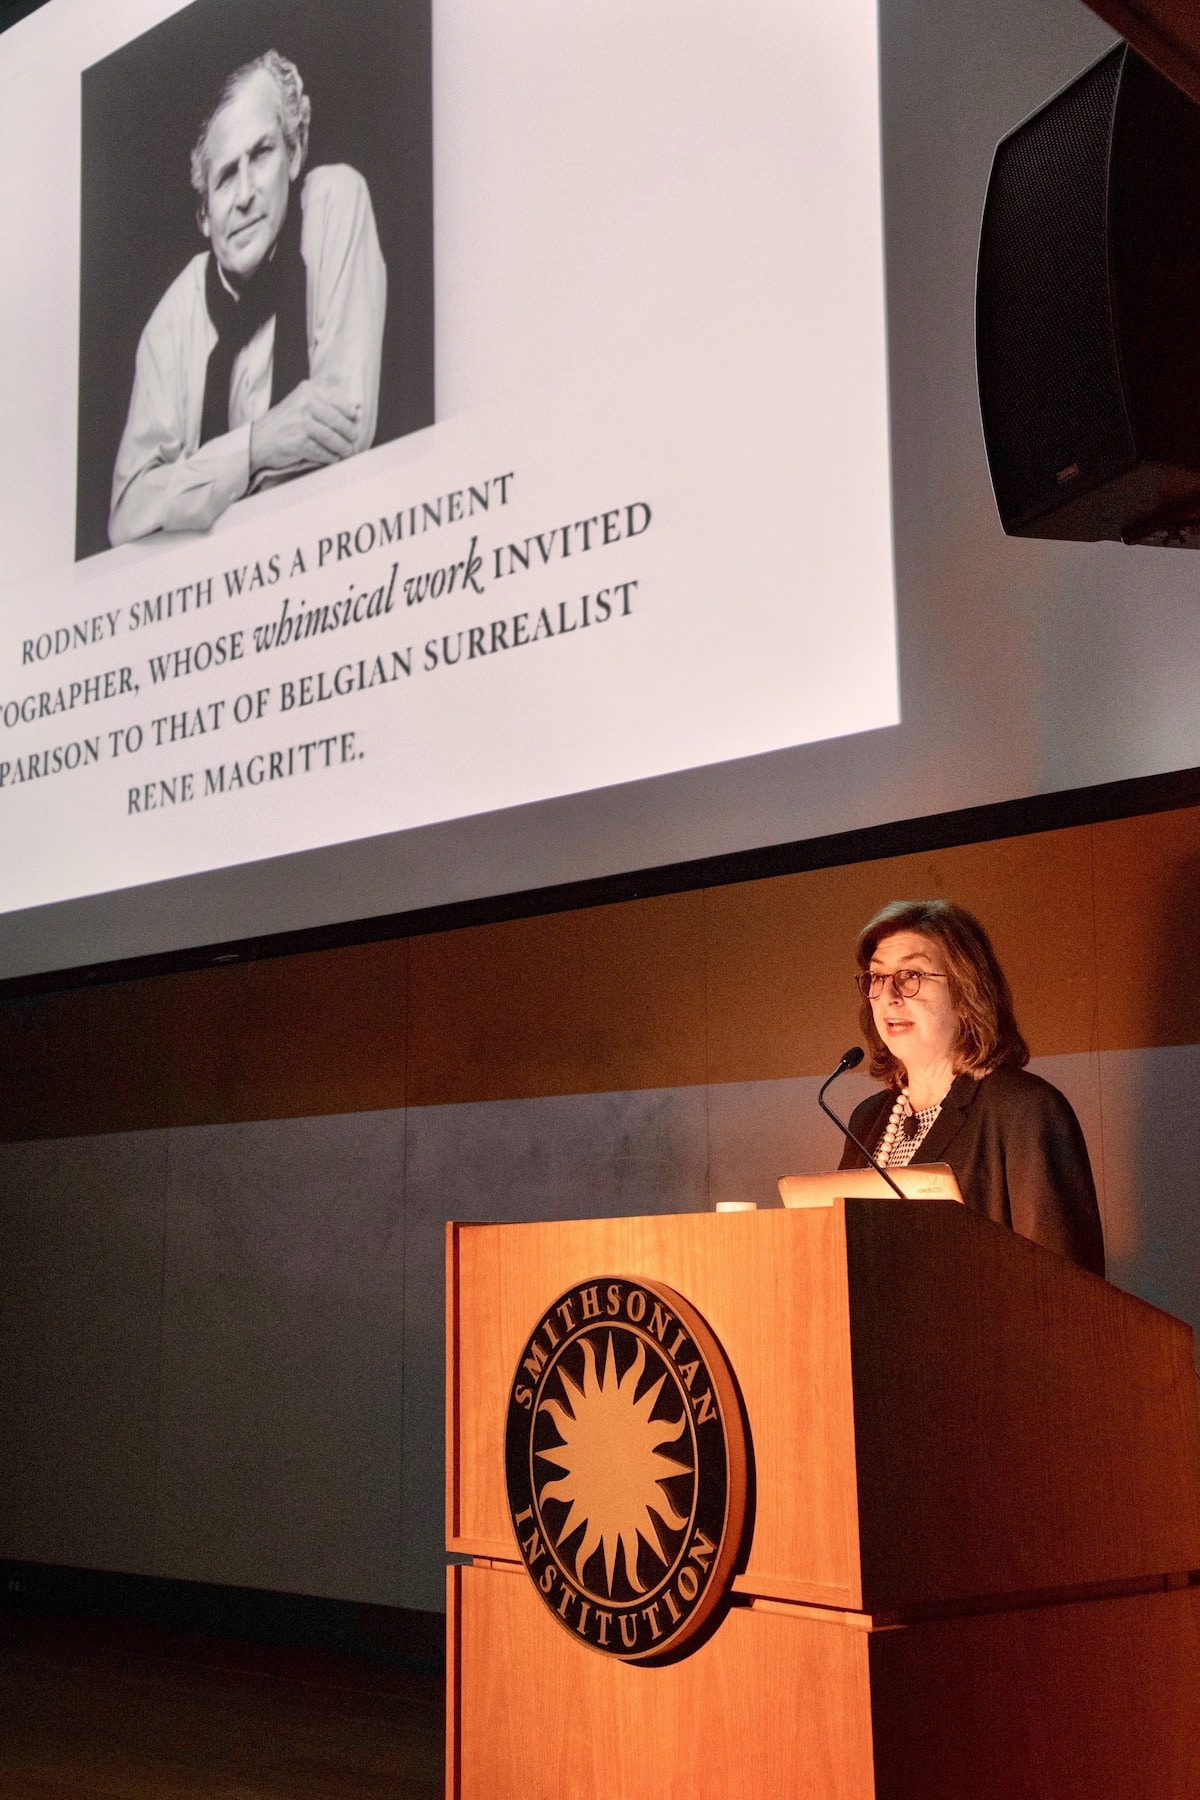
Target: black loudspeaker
1088	312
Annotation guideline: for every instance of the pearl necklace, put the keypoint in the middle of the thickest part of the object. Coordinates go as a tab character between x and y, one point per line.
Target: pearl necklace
905	1131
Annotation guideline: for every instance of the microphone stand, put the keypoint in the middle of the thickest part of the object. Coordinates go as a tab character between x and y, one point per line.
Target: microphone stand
851	1060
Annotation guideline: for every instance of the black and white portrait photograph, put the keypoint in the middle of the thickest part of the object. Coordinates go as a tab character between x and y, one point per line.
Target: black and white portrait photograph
256	270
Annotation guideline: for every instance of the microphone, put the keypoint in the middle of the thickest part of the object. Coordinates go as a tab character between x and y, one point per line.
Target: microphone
851	1060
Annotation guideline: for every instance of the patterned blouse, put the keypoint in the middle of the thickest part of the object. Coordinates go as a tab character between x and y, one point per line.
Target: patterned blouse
904	1133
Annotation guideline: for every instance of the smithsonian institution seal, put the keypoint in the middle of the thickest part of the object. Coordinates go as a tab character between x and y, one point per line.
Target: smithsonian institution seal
626	1460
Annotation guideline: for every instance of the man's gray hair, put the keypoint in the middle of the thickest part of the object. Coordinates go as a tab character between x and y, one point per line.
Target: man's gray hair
295	111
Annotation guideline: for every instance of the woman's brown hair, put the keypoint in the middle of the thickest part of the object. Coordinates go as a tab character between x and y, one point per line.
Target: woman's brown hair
988	1035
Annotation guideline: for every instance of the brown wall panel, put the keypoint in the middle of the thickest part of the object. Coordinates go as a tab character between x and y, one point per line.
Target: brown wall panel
598	1000
781	952
740	983
80	1063
1034	894
1148	929
284	1039
294	1037
780	962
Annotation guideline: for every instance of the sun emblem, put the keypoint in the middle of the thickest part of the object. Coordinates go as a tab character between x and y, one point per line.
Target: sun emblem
626	1463
616	1470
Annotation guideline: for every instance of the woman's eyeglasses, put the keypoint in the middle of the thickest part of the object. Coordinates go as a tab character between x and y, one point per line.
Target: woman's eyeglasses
906	982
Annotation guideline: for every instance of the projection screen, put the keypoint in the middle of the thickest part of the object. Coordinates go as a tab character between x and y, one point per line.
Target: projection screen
599	294
450	449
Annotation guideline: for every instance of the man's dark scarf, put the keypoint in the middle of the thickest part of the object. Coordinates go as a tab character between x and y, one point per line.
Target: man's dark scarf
278	287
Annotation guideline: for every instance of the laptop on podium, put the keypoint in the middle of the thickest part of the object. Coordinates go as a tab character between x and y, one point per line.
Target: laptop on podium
920	1181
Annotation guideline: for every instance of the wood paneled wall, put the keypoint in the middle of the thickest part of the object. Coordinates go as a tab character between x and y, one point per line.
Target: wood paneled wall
1096	925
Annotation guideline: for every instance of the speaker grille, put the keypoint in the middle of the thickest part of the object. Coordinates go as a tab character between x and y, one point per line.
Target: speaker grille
1049	377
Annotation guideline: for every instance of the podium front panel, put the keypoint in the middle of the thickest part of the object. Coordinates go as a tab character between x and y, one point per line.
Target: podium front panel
772	1286
940	1412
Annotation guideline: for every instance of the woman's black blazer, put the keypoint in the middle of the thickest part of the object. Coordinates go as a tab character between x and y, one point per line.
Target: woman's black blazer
1017	1150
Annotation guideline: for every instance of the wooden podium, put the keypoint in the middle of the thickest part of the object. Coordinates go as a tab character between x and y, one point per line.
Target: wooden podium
974	1569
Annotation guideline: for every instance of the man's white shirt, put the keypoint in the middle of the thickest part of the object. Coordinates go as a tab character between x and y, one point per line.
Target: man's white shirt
164	479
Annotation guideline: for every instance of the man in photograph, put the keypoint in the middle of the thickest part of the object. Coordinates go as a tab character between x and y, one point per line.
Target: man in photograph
262	359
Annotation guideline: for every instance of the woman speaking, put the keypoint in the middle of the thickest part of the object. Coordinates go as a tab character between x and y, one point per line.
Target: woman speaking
939	1025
